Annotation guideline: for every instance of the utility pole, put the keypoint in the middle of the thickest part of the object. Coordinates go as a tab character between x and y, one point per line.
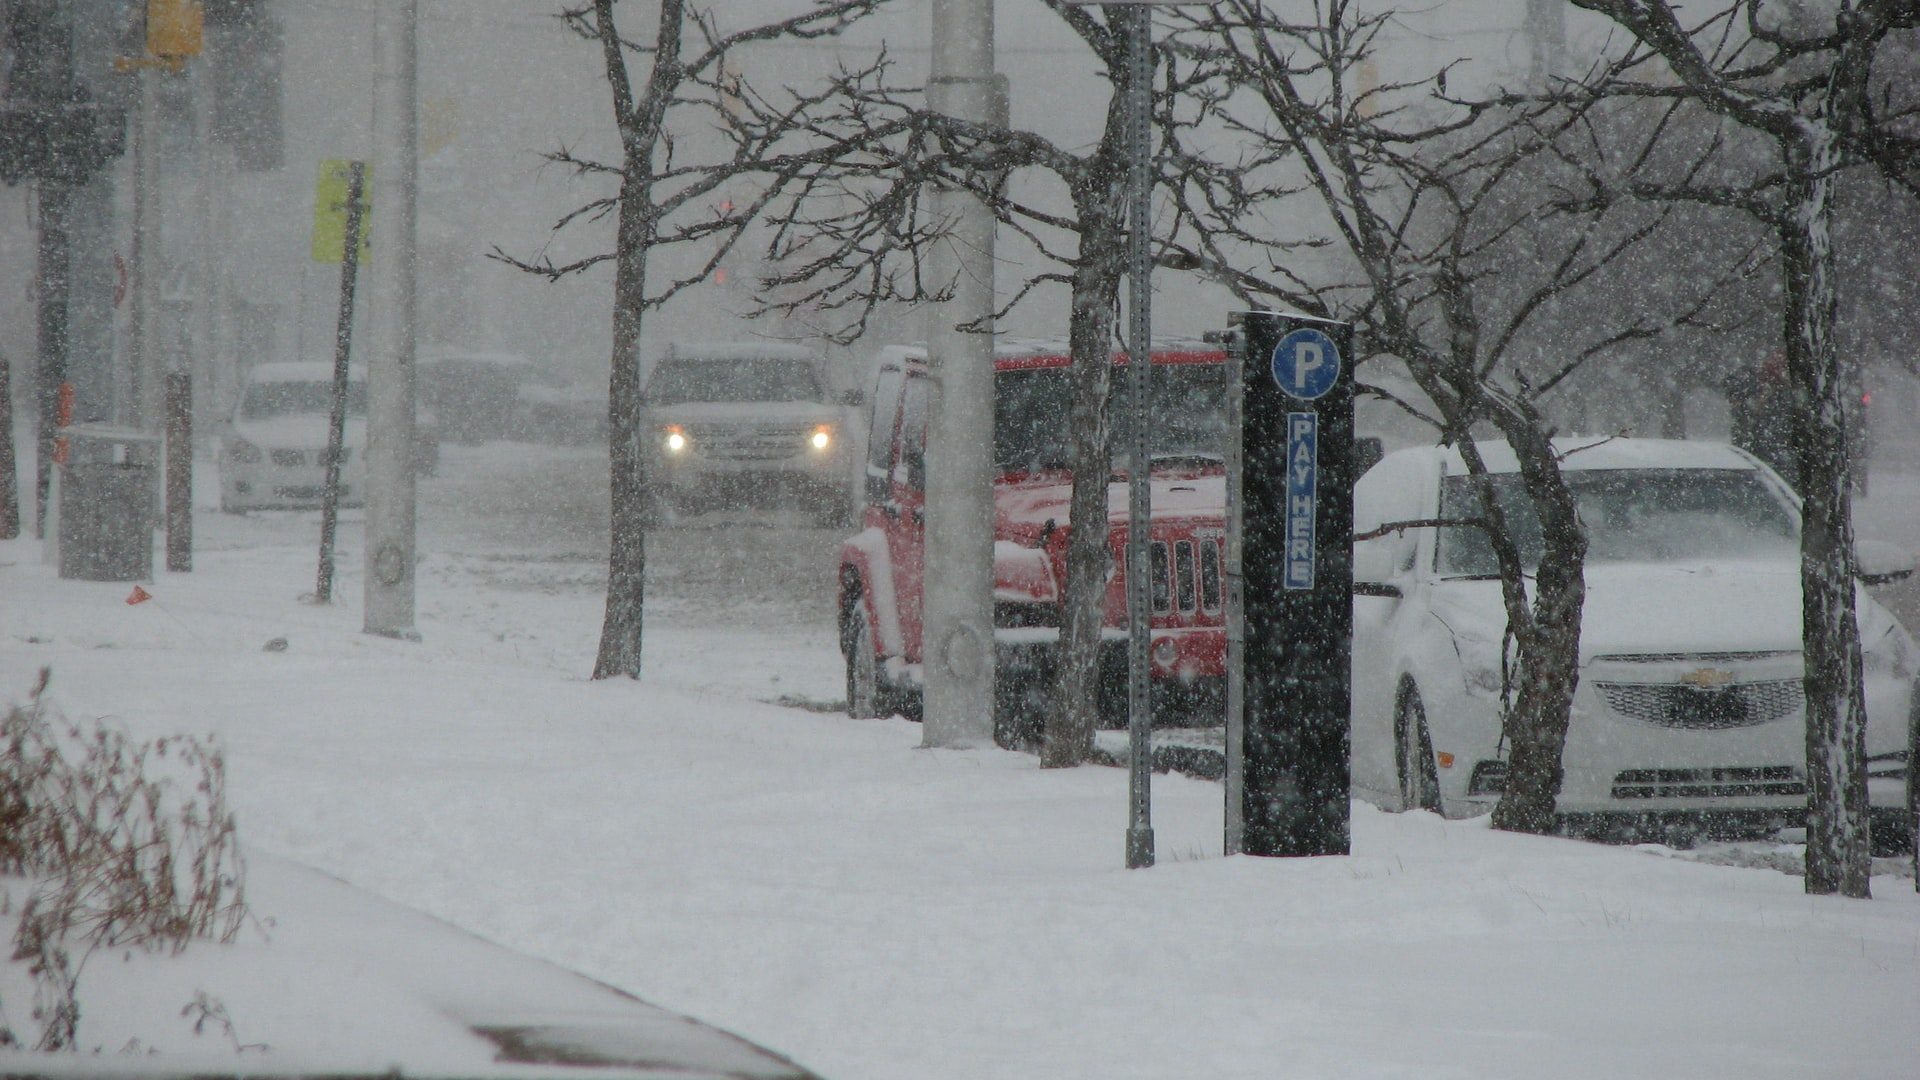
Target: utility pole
958	641
390	376
1546	30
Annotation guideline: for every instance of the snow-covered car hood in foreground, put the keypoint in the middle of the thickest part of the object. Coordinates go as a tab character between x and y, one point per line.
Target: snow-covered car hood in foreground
1665	608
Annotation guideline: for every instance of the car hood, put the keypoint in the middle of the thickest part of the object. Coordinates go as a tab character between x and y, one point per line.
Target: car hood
307	431
1031	503
701	412
1655	608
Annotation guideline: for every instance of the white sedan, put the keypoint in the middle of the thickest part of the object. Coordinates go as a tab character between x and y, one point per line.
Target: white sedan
1689	707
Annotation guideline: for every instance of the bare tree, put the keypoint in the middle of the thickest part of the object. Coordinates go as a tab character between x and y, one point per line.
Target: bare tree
661	202
1800	79
1448	242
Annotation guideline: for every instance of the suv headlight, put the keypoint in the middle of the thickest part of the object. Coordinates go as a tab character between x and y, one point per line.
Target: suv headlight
675	439
821	438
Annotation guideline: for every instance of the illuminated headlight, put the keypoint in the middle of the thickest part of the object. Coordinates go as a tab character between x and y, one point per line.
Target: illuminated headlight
676	440
242	452
821	438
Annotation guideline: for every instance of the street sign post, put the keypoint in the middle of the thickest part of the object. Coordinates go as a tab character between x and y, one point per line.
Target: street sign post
1138	18
1290	474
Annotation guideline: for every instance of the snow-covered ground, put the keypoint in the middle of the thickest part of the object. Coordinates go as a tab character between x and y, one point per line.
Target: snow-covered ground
874	910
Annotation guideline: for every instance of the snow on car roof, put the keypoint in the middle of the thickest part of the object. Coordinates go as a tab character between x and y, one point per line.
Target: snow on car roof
738	350
1016	353
1600	452
498	359
300	371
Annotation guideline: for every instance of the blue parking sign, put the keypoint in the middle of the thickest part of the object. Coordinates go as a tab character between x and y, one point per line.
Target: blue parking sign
1306	364
1303	484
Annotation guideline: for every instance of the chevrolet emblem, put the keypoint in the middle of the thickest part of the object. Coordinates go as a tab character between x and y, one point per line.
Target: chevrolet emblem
1707	678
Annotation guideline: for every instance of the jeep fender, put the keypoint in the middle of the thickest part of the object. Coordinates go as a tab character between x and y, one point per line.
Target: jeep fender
866	566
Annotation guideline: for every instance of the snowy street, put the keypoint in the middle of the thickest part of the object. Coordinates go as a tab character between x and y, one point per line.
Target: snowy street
825	888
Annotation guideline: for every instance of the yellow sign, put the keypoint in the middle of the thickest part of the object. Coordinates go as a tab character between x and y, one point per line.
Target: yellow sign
330	210
174	28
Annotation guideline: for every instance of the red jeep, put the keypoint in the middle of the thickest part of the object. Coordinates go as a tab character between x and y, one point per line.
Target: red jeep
881	566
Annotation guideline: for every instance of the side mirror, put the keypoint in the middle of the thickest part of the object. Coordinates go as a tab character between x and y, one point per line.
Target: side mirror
1373	566
853	398
1876	562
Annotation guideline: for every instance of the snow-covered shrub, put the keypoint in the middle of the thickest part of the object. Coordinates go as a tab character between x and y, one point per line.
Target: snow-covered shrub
123	844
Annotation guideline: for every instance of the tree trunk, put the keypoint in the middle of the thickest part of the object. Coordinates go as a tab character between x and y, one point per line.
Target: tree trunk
626	450
1547	641
9	482
1839	857
1096	284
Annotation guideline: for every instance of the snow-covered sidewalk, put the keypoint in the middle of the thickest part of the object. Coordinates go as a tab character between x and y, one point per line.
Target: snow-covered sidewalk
873	910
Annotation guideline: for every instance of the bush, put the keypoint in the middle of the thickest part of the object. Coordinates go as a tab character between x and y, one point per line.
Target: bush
126	845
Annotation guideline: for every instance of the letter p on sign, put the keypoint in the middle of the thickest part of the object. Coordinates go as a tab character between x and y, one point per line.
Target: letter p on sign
1306	364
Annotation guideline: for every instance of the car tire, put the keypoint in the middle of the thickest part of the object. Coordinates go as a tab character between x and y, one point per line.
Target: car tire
1020	706
1413	753
866	697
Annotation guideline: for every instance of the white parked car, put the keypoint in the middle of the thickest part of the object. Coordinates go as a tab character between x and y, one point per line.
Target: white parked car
1689	707
273	449
273	454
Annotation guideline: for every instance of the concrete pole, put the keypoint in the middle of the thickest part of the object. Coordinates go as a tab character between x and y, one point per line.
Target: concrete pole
208	208
141	406
957	645
390	375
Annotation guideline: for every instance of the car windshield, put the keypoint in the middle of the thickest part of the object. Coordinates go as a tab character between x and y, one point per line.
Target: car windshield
677	382
1188	411
266	400
1631	515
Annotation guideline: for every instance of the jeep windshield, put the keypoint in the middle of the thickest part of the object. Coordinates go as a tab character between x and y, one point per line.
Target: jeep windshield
677	382
1188	412
1631	515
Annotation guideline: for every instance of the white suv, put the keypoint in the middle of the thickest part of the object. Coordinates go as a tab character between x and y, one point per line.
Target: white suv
747	425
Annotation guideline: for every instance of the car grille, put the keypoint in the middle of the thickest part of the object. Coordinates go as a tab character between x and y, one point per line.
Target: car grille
1184	574
1711	708
1723	783
295	459
1693	658
758	443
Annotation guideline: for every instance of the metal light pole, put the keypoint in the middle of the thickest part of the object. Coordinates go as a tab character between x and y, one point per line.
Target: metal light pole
390	376
957	645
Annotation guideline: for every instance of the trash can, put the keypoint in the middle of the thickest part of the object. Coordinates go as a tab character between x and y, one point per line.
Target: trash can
105	504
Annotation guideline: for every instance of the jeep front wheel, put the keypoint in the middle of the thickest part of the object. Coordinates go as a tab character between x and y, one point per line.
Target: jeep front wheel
863	668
